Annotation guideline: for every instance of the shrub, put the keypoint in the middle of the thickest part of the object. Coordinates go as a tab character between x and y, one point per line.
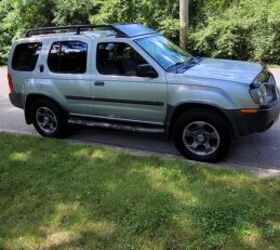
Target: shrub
237	29
249	30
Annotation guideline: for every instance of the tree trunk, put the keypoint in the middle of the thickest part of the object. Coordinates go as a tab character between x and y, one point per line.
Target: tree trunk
184	22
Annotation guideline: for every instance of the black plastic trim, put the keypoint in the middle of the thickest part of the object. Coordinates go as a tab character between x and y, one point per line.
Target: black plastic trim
245	124
78	98
117	121
16	99
150	103
75	28
122	30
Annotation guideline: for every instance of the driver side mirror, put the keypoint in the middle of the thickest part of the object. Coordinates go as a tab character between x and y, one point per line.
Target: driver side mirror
146	70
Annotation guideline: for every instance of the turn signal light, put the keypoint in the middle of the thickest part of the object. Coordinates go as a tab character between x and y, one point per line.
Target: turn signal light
249	111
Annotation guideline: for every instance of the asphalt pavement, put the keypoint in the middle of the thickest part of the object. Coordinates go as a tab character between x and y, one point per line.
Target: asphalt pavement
257	153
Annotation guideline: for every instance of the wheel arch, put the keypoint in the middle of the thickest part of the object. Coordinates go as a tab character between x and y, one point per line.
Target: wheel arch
175	112
30	99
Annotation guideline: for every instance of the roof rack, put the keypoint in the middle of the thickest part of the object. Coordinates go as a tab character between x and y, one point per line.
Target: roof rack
75	28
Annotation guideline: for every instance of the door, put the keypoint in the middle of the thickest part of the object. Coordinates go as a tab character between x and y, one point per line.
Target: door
117	91
66	74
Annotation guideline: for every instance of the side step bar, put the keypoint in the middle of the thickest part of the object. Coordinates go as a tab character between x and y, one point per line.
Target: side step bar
115	125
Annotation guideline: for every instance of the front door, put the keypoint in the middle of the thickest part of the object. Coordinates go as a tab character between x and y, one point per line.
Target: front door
117	91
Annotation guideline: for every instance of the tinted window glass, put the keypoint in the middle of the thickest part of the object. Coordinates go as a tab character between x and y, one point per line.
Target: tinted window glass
68	57
117	59
25	56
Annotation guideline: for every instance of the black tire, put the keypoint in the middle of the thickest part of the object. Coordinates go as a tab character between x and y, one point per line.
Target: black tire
216	120
61	129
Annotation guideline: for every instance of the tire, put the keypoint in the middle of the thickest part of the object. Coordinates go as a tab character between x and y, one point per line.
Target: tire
202	135
44	110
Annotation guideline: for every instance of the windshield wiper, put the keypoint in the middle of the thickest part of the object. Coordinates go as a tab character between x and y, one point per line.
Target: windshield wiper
186	64
177	65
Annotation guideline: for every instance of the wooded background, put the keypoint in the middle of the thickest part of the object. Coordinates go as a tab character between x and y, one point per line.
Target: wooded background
236	29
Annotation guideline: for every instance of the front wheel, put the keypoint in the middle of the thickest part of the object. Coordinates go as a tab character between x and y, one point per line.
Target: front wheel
48	119
202	135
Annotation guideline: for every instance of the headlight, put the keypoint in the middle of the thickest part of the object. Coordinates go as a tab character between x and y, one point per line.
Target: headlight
259	94
264	90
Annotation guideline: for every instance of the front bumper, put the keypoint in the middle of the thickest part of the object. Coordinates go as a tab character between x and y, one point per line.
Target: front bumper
245	124
16	99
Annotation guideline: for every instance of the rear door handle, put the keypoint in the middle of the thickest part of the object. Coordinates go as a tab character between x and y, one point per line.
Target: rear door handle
41	68
98	83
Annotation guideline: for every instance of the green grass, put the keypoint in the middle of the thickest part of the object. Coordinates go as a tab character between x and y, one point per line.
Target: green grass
54	195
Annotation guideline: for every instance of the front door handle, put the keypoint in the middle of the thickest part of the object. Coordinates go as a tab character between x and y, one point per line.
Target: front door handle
98	83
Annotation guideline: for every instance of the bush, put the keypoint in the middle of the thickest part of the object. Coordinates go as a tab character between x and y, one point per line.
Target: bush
266	38
72	12
18	16
162	15
249	30
237	29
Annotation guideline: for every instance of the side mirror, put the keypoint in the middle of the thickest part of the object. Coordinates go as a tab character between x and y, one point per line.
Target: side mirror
146	70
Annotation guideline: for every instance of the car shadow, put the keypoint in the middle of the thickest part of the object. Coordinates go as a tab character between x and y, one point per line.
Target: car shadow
256	151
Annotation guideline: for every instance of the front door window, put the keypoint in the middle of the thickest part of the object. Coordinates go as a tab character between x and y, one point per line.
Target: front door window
118	59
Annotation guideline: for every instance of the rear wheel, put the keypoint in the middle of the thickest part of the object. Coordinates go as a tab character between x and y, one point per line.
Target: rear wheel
48	119
202	135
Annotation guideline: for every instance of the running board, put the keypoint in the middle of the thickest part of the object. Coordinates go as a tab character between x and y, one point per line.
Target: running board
117	126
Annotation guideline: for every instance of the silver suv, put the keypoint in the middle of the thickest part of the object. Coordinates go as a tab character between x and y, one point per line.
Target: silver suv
127	76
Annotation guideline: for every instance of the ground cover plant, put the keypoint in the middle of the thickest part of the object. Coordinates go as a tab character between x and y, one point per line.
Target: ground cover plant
54	195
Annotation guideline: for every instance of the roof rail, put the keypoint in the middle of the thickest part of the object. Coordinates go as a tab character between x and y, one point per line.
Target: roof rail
75	28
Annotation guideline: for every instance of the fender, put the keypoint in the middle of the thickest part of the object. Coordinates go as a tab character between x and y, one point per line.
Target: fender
185	96
30	98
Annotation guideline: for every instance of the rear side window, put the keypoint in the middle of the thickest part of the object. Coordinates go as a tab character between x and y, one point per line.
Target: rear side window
68	57
26	56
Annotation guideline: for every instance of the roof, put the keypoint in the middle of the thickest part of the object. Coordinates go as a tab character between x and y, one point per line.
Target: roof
120	30
134	30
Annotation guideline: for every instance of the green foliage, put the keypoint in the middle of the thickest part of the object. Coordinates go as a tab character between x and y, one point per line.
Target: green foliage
247	30
18	16
162	15
67	12
238	29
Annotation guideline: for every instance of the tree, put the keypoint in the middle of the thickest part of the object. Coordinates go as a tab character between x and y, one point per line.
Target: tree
238	29
184	22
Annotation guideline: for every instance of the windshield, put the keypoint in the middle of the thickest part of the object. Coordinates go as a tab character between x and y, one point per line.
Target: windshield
166	53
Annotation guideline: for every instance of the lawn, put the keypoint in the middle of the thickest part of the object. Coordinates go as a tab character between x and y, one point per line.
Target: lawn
54	195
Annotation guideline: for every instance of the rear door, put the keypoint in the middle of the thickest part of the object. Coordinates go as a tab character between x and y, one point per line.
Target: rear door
118	93
66	73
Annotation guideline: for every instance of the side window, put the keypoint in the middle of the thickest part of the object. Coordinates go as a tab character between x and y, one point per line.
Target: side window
68	57
117	59
26	56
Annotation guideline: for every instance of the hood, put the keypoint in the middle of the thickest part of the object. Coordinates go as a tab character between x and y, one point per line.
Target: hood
228	70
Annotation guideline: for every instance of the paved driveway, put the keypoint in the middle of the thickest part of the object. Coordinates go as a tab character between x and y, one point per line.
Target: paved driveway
258	152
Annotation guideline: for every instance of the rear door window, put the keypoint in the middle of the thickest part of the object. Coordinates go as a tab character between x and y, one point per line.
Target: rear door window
26	56
68	57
